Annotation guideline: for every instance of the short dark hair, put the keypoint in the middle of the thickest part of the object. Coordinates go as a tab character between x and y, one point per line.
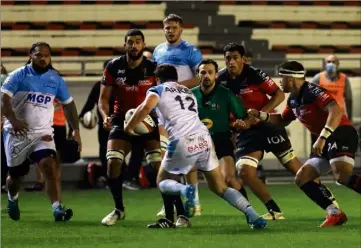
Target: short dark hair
173	18
248	53
207	62
292	69
234	47
133	32
166	73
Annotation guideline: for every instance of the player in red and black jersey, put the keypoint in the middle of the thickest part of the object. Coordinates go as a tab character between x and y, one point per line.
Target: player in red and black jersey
337	140
127	79
258	91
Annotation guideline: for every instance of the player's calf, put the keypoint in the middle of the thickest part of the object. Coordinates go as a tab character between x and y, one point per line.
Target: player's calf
13	182
342	169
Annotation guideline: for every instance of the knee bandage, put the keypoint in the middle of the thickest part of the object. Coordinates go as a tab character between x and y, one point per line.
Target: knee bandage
163	143
286	156
247	160
153	156
115	154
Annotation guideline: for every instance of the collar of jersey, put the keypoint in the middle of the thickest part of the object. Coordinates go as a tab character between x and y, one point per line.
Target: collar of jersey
172	47
210	93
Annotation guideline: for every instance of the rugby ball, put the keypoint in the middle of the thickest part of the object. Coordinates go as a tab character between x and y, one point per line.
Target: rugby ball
146	126
89	120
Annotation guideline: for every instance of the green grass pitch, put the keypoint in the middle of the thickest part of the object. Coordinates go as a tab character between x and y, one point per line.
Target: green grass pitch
219	226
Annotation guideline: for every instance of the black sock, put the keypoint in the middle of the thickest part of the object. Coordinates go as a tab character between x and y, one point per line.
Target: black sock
327	192
271	205
168	206
354	183
115	185
177	200
243	192
316	194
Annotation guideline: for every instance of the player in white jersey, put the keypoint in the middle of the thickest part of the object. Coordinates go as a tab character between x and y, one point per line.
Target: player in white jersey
27	103
189	144
185	57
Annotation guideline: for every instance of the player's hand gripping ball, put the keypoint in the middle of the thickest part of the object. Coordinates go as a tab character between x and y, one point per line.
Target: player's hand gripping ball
144	127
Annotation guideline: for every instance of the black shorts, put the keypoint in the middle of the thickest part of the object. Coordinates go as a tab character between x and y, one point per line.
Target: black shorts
343	142
117	132
59	137
223	146
263	137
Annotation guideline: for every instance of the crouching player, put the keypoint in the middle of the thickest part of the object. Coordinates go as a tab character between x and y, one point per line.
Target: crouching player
337	139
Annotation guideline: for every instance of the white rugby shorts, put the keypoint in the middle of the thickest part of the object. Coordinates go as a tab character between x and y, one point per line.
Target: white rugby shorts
196	149
19	148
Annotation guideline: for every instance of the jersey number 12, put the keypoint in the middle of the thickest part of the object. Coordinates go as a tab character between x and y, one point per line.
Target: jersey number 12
188	99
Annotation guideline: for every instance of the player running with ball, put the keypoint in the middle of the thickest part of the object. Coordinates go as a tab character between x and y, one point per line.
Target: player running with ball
189	144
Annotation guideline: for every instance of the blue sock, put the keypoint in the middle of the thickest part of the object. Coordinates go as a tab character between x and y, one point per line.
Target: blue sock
251	214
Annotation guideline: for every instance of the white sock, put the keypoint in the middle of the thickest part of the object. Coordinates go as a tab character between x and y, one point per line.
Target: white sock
55	204
237	200
332	209
13	198
172	187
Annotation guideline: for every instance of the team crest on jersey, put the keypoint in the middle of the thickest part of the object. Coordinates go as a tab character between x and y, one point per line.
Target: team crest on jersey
300	112
208	123
212	106
121	80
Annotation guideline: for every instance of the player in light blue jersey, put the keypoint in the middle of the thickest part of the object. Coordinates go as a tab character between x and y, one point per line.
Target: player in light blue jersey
185	57
190	145
27	104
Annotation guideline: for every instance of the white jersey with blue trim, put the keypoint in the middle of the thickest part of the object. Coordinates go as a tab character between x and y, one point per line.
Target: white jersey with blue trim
32	95
178	108
184	57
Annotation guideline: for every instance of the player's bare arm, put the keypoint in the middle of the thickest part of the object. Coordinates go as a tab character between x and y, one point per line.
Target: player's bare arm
71	115
333	121
103	104
275	119
20	126
334	115
141	112
276	99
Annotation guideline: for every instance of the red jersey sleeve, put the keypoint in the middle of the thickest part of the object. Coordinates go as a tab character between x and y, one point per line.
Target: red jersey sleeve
287	114
108	78
267	85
